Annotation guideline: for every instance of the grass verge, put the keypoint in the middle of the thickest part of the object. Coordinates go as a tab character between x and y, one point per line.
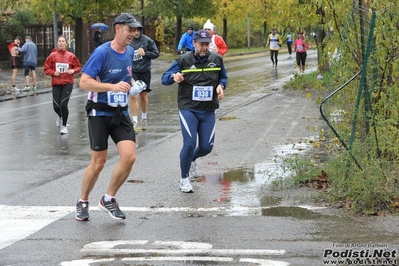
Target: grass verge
330	170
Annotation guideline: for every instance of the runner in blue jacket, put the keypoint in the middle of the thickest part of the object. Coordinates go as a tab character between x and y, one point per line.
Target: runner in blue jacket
186	40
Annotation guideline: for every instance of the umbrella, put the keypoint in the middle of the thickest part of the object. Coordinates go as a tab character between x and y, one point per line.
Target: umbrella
99	25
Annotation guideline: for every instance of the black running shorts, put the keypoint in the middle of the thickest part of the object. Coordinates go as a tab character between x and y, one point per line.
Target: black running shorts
100	129
27	68
146	77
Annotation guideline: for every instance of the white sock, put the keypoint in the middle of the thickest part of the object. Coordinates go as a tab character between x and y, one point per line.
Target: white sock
82	200
108	197
134	117
144	116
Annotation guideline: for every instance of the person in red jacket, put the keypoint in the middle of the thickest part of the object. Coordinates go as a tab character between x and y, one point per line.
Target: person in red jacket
218	45
61	65
15	60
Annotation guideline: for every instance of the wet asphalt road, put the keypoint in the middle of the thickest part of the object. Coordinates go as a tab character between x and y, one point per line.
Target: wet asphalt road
231	219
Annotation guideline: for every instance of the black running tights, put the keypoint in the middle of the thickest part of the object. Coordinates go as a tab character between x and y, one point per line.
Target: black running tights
61	95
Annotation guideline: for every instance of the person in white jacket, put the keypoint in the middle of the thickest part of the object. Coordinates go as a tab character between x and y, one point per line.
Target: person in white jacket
275	41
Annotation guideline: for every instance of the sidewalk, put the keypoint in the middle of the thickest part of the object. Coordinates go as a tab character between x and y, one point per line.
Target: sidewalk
43	84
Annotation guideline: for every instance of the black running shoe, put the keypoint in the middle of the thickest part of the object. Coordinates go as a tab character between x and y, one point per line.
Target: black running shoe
112	208
82	211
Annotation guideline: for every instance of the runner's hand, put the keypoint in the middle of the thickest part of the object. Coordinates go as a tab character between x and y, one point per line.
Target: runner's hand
220	92
121	86
178	77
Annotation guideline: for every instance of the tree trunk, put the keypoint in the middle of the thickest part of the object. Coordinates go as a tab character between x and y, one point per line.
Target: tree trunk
225	30
80	45
322	57
178	31
264	33
142	17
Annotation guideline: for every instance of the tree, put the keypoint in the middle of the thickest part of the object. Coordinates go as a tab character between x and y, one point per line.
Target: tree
179	9
7	7
225	9
79	12
263	11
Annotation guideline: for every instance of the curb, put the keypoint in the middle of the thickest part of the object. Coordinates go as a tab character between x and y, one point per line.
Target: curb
19	95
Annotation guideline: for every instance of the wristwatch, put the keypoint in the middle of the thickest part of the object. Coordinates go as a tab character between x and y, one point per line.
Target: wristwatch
221	85
172	76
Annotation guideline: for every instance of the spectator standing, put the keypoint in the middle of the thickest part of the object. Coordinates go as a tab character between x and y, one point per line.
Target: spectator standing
301	45
275	41
29	49
15	60
98	38
217	44
186	41
145	50
107	76
202	78
61	65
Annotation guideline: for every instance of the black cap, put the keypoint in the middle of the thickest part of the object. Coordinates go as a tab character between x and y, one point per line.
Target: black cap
190	28
128	19
202	36
19	38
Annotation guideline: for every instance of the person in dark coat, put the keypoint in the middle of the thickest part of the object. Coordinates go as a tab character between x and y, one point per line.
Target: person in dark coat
98	38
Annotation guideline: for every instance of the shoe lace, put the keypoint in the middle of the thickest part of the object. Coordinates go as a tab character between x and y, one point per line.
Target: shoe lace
82	207
112	205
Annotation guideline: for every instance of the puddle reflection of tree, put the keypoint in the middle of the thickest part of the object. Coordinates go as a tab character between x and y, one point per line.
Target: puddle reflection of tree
274	75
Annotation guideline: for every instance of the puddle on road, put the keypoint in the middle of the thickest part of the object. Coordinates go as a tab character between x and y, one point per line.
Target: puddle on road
227	118
294	212
242	187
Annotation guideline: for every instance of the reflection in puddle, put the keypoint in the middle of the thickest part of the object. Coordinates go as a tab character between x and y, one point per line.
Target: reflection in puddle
294	212
142	138
226	118
63	144
242	187
270	201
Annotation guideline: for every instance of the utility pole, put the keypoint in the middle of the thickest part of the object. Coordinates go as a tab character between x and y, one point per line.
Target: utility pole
55	25
248	32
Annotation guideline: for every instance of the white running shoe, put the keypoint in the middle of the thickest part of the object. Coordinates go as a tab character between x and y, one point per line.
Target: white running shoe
185	185
15	89
64	130
58	122
193	173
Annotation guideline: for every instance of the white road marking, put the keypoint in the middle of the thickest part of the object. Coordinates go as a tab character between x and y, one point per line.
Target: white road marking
260	262
179	247
173	251
166	252
19	222
85	262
